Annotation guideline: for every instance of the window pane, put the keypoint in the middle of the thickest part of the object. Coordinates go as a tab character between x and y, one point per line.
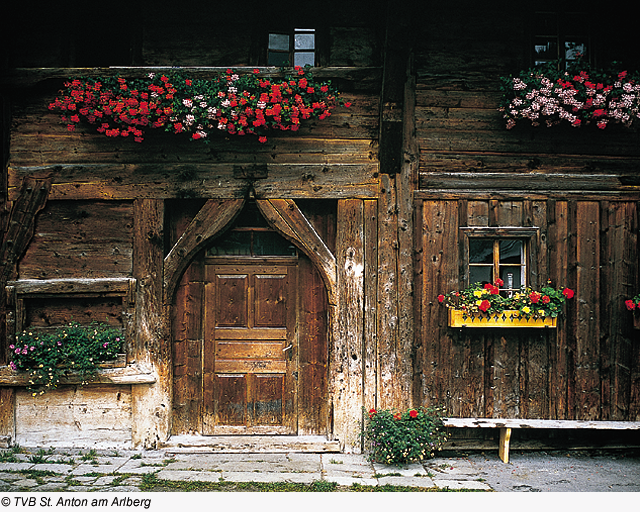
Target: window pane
546	49
267	243
235	243
304	41
480	250
480	275
279	42
278	59
512	277
512	251
304	58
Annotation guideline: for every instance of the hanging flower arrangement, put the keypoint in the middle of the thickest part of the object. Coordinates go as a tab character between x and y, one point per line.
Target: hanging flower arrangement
633	303
490	299
236	104
578	96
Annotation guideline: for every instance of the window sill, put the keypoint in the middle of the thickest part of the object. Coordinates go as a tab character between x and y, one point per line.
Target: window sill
505	319
131	374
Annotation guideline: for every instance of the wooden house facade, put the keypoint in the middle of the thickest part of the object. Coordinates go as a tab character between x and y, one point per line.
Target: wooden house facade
281	288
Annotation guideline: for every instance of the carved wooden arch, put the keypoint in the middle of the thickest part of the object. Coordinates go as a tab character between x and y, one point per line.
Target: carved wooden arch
212	218
286	218
282	214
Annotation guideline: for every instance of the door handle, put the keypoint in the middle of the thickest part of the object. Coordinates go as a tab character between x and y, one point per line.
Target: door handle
287	348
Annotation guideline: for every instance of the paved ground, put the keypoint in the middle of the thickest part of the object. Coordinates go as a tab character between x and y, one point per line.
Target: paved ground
74	470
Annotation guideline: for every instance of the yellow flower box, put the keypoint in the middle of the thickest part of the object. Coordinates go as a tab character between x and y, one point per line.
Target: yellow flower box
507	318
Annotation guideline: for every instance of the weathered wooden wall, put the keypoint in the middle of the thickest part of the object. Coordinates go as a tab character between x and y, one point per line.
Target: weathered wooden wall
579	187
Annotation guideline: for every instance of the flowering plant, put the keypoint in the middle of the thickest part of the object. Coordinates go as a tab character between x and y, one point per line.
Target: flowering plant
232	103
48	356
489	298
633	303
578	96
393	437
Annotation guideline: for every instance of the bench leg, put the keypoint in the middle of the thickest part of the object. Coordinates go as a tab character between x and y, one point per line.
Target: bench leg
503	450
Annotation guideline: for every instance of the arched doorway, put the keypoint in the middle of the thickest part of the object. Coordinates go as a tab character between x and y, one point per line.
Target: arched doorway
249	325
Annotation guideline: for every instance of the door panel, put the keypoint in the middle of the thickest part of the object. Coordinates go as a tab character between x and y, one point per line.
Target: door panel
250	349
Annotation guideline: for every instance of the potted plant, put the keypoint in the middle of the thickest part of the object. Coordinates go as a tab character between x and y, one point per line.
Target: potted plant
487	305
634	306
48	356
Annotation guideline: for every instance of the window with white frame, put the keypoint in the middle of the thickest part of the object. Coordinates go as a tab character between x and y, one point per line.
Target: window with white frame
294	48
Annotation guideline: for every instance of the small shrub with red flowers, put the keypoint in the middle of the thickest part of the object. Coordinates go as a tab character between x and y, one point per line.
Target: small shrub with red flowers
232	103
49	355
633	303
577	96
393	437
490	298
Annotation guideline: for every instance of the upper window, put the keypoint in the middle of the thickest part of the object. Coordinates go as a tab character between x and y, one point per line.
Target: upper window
296	48
560	36
493	253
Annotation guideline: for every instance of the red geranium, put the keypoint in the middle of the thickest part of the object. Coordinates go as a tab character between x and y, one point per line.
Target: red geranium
568	293
413	413
630	304
484	305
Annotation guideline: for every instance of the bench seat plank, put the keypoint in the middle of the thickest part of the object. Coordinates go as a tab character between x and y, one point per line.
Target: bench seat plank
539	423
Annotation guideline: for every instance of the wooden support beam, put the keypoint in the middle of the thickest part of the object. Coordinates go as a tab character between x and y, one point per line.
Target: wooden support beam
285	216
503	449
214	216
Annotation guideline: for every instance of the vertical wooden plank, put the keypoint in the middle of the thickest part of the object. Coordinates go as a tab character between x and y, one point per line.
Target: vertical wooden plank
619	261
634	359
313	410
394	350
371	360
348	330
557	242
151	404
587	357
439	244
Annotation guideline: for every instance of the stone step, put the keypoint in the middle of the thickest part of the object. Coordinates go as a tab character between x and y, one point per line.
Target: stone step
249	444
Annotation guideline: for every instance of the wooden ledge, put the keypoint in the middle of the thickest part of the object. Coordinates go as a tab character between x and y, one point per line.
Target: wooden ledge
131	374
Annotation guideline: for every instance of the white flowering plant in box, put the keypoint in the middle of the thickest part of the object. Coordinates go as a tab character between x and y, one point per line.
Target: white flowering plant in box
576	96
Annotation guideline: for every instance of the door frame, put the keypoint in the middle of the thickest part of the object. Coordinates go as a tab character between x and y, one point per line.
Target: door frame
285	217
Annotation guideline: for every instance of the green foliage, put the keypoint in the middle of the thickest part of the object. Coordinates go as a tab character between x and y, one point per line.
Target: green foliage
398	437
49	356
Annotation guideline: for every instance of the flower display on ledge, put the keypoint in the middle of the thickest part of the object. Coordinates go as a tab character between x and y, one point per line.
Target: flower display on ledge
490	299
236	104
50	355
633	303
577	96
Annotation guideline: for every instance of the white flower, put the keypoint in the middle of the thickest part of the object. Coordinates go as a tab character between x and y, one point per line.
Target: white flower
187	103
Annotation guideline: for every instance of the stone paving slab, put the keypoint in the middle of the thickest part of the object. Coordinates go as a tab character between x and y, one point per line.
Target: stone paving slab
415	481
461	484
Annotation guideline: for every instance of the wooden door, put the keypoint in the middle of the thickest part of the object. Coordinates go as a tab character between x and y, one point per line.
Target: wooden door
250	350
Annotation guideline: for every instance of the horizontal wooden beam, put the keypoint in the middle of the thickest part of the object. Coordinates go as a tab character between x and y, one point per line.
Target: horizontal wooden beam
131	181
72	286
132	374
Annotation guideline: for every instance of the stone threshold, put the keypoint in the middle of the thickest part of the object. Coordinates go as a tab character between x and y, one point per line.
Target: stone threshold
249	444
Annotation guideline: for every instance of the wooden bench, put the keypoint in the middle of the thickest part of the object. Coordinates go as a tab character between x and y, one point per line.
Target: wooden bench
506	425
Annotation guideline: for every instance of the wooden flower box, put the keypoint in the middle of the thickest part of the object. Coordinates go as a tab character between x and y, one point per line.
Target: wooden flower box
505	319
